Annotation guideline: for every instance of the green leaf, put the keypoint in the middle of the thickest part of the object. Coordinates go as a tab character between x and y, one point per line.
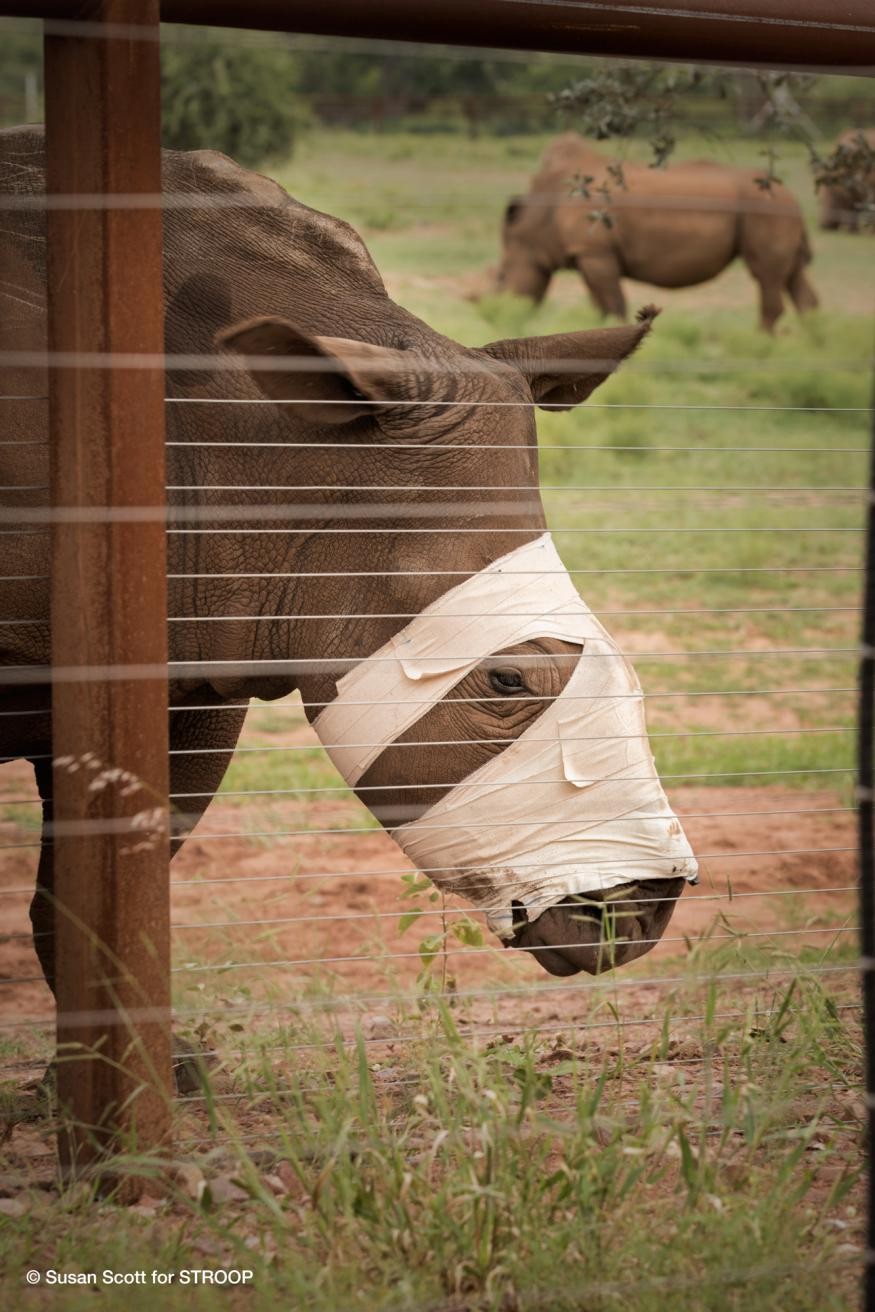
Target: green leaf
408	919
430	947
468	933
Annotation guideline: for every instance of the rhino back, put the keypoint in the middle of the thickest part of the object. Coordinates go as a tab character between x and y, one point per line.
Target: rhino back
236	245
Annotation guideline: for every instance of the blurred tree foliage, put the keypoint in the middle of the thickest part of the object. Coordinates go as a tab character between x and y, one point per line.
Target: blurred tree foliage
21	74
219	95
249	95
656	102
368	87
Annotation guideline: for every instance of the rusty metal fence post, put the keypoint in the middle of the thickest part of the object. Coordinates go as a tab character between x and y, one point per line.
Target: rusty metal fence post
109	608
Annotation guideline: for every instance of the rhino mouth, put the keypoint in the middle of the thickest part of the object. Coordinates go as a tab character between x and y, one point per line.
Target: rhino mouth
597	931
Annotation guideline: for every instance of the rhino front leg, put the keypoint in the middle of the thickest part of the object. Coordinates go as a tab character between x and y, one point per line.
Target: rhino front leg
42	914
203	736
202	740
601	274
771	300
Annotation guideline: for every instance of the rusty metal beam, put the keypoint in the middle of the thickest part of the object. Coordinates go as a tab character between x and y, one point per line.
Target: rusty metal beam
801	33
108	590
837	35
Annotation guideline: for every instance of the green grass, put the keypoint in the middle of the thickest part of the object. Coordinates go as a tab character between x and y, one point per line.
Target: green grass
707	1156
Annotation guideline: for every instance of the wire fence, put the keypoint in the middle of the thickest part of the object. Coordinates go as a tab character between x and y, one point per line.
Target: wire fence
300	928
289	712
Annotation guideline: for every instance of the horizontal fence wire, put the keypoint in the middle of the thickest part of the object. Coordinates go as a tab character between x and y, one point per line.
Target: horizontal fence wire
506	1027
683	1064
45	674
603	984
85	827
857	492
170	515
637	448
174	202
345	788
449	913
31	621
465	574
403	364
435	870
288	963
396	873
296	706
788	491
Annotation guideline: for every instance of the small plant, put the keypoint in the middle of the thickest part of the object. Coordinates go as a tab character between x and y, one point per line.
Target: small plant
435	947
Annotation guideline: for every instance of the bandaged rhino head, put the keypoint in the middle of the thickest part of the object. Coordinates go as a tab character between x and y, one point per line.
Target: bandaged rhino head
355	514
498	733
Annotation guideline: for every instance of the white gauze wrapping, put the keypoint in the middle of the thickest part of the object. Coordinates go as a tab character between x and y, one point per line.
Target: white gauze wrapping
572	805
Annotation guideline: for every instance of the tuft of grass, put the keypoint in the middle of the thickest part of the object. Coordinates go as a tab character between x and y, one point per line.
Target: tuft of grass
706	1155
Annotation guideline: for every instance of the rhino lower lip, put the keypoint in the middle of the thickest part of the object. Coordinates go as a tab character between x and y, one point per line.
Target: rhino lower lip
585	934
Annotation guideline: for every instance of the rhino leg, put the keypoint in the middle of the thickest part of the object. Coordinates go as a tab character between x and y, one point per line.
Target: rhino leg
195	775
194	778
203	736
601	274
42	915
802	293
771	286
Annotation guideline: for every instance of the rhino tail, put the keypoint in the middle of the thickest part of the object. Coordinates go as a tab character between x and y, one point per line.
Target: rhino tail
647	314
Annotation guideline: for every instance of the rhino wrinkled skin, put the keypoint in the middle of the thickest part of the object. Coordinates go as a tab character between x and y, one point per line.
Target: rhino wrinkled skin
267	276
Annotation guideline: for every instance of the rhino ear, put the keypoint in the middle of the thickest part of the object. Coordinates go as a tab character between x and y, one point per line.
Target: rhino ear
566	368
514	209
333	379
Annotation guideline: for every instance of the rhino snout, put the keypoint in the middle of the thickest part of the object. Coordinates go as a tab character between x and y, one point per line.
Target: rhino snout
596	931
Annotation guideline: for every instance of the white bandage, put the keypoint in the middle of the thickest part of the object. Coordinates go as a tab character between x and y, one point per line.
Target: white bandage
572	805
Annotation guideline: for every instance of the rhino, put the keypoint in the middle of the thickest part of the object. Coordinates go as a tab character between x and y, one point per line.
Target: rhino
672	227
384	458
847	202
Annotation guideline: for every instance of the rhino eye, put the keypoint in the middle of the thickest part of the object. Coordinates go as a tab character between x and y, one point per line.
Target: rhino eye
506	680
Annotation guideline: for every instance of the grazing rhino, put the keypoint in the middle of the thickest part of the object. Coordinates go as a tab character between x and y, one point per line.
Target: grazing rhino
337	502
847	203
672	227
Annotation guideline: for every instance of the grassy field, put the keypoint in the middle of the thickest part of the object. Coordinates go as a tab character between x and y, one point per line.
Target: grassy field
685	1135
701	1156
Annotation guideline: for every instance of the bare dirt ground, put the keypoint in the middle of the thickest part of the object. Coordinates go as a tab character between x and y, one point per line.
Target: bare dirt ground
732	289
785	857
777	866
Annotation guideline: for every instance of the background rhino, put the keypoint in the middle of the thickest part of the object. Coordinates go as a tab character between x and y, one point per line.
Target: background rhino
349	514
673	227
840	204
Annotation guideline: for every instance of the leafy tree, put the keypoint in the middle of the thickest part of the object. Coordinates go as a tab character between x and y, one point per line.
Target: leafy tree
21	75
656	101
223	96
